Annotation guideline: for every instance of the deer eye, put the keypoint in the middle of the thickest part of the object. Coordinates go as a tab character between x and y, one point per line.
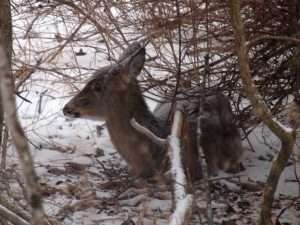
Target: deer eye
97	87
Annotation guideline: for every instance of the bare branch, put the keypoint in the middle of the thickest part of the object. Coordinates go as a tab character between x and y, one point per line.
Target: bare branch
287	136
255	41
138	127
12	217
19	139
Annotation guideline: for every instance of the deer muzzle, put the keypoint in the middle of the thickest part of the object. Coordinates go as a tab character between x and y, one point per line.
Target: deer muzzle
70	112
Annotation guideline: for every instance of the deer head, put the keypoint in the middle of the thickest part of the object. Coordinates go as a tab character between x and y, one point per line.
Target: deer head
107	85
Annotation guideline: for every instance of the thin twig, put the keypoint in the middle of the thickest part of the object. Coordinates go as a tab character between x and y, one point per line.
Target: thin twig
4	148
12	217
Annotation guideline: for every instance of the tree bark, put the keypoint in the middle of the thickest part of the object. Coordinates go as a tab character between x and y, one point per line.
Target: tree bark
5	40
286	136
19	140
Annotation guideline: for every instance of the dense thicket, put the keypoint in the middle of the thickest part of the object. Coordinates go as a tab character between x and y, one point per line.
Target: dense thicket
183	34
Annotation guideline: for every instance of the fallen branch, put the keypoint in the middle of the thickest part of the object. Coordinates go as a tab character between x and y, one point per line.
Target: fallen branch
13	207
11	216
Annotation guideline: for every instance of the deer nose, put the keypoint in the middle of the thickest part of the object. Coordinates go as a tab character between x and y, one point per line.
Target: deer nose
68	111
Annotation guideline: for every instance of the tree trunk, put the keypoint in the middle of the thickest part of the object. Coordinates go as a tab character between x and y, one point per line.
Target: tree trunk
6	41
286	136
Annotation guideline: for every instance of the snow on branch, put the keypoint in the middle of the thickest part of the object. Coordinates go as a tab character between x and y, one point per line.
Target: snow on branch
285	128
177	168
138	127
19	139
183	200
183	207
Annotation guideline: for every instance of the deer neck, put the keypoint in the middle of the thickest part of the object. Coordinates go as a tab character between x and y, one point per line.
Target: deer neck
127	106
140	111
125	138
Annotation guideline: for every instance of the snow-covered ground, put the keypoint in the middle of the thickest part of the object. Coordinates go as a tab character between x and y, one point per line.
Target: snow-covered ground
83	178
86	182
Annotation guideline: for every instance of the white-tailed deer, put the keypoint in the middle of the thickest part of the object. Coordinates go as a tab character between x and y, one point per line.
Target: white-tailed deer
113	95
220	138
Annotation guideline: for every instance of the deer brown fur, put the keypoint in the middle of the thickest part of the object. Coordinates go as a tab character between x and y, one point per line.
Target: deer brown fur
113	95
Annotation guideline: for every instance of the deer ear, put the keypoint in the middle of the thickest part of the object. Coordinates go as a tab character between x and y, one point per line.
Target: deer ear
131	68
136	63
133	59
130	64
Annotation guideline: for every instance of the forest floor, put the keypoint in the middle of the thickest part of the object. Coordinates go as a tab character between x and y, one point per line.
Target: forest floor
83	178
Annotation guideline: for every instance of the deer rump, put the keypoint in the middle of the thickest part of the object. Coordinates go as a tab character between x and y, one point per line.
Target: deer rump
219	137
114	96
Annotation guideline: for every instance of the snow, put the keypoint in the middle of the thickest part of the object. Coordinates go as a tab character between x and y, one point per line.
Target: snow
62	141
183	201
177	169
179	215
56	141
285	128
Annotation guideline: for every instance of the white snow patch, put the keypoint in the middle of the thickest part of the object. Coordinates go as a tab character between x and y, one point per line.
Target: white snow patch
177	169
178	217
